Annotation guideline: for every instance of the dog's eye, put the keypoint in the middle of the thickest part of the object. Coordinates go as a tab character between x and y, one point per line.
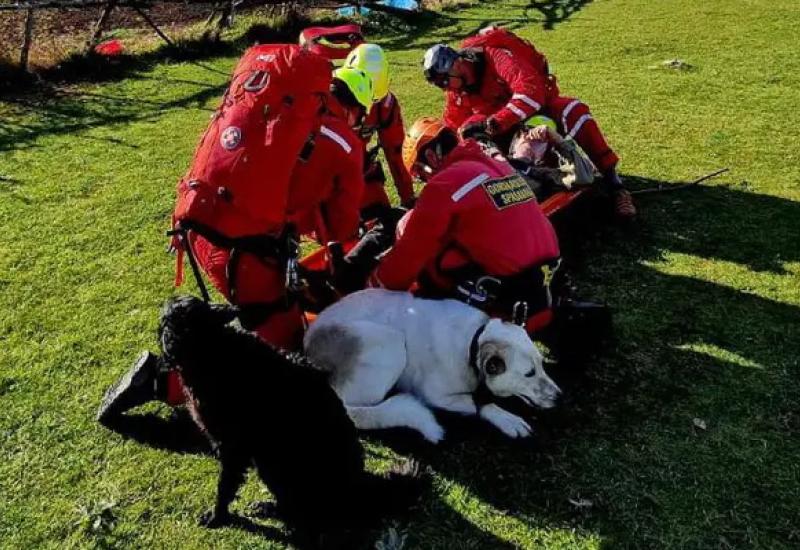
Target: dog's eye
531	374
495	365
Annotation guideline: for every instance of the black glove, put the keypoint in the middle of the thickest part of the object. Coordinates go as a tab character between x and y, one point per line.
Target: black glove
478	130
350	276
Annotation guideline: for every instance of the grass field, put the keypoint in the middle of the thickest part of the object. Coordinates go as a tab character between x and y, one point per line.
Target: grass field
685	434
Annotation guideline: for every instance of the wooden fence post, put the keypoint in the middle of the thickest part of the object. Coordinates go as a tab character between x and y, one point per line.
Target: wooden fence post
100	25
26	41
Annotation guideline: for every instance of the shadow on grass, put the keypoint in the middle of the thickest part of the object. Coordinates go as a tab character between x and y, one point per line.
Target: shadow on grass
626	404
629	415
66	112
46	108
91	67
555	11
177	434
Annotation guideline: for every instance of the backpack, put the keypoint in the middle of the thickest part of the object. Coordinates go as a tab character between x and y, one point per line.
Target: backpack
237	184
496	37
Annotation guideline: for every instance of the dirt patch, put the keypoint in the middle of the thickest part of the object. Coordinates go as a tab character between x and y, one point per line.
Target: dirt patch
60	32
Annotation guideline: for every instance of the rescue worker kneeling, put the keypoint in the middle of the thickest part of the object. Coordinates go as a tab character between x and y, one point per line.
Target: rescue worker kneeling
323	197
476	233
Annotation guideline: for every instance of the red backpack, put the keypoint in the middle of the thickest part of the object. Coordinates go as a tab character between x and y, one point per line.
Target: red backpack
238	182
496	37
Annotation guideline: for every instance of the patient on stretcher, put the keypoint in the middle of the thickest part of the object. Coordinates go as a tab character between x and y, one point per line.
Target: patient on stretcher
548	161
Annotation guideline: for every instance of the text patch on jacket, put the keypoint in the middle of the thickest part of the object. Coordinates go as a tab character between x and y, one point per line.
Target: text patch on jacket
508	191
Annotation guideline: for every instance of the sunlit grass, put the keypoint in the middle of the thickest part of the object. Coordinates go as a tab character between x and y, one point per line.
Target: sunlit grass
705	291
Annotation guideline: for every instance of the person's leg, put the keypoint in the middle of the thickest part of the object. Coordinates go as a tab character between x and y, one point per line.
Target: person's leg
576	121
148	380
255	282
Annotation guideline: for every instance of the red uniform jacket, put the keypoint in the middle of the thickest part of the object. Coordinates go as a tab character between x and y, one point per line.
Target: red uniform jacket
514	82
325	190
475	209
386	120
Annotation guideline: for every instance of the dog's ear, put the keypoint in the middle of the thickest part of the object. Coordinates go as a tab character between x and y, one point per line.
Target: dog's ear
494	365
223	313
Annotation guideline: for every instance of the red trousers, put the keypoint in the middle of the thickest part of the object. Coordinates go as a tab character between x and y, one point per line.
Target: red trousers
575	120
256	282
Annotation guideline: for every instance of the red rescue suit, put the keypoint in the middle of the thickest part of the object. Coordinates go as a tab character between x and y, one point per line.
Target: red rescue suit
514	83
473	210
385	120
324	194
325	191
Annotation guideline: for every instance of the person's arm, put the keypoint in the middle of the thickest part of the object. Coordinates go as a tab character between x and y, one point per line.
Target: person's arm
341	209
455	111
391	135
422	238
527	86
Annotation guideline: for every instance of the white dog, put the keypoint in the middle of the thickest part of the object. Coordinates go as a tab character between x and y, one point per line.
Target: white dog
426	353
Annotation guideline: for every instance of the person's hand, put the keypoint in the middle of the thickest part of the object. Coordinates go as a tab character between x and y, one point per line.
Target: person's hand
492	126
539	133
474	129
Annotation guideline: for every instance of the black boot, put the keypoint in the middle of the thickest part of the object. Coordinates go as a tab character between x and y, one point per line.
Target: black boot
136	387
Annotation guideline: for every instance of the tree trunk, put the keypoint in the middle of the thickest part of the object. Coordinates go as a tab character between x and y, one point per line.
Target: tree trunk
26	41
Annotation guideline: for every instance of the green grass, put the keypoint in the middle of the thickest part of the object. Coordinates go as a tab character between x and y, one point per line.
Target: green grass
706	292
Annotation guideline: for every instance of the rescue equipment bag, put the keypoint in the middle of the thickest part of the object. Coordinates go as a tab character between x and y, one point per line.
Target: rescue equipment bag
237	185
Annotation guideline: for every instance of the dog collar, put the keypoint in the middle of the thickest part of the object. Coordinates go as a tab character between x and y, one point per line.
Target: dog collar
473	349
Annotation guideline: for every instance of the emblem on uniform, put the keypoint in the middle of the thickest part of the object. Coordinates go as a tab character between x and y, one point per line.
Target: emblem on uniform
230	138
508	191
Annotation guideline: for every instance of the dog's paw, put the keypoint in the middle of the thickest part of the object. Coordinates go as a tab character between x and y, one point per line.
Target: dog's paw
510	424
433	432
212	520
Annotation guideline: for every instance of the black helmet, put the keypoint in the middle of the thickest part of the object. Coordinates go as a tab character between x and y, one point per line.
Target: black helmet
437	63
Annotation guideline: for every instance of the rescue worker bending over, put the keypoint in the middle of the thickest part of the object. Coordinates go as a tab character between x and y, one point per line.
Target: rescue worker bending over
476	233
385	121
505	78
323	196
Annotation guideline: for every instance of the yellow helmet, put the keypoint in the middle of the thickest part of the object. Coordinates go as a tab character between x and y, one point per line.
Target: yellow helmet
541	120
358	83
371	59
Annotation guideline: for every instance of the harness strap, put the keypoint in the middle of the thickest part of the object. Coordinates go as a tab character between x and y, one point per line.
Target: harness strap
187	248
283	248
259	245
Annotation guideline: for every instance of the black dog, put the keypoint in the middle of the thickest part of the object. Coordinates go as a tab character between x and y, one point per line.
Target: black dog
276	412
